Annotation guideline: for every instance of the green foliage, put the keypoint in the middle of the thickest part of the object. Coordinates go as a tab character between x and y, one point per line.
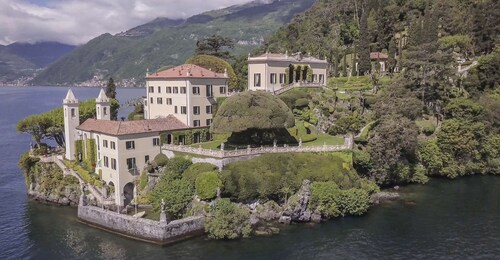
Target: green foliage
268	175
214	45
176	166
207	184
143	180
194	170
323	198
254	117
218	65
364	65
111	89
161	159
485	75
394	143
87	177
227	221
352	202
26	162
419	175
464	109
346	124
177	195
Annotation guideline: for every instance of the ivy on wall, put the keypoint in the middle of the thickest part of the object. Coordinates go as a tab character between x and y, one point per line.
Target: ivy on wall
187	135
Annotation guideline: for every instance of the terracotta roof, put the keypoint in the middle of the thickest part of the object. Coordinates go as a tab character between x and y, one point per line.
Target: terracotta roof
378	55
296	57
186	71
116	128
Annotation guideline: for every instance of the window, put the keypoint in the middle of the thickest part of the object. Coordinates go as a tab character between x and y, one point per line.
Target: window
321	79
209	122
146	159
282	78
130	145
113	164
113	145
196	110
151	89
159	101
106	161
151	101
256	80
315	78
105	143
196	123
183	110
159	89
209	91
156	141
105	111
273	78
209	110
131	163
183	90
175	110
222	90
168	101
196	90
169	90
73	113
176	90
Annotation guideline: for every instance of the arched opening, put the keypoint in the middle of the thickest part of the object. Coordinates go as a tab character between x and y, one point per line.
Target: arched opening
110	188
298	73
128	193
105	111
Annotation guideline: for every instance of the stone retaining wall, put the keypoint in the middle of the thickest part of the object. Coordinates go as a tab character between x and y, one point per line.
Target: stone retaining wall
140	228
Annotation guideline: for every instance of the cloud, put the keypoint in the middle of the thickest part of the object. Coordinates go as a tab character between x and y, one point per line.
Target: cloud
76	21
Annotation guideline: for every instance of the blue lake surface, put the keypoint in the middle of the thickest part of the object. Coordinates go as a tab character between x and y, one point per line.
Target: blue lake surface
444	219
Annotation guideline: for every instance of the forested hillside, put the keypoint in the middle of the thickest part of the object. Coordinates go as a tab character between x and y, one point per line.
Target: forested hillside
332	28
165	42
434	112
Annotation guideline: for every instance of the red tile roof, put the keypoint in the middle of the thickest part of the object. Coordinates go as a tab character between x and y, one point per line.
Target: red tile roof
116	128
378	56
186	71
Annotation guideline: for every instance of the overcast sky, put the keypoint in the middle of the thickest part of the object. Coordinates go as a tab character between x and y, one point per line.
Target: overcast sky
78	21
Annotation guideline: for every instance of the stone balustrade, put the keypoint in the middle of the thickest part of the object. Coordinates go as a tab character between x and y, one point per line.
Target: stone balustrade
348	144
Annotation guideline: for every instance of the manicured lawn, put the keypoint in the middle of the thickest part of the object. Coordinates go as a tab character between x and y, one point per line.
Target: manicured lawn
326	139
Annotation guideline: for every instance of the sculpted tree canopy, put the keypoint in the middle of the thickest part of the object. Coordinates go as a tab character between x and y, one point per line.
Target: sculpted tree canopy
255	114
216	64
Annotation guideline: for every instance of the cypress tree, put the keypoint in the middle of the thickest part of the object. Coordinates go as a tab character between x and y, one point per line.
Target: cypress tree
364	65
111	88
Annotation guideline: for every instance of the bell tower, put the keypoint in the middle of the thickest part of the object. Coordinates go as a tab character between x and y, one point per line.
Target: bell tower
103	106
71	121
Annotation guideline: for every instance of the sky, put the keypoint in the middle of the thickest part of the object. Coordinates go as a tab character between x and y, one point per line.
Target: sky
78	21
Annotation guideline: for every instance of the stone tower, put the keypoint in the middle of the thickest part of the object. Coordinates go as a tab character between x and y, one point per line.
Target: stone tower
103	107
71	121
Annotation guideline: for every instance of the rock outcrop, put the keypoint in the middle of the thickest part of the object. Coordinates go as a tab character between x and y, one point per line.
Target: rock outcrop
383	196
296	209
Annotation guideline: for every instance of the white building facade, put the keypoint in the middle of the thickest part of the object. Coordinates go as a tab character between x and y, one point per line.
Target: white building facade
188	92
271	71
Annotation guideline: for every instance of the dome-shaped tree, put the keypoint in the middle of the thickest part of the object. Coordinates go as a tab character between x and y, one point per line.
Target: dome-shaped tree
216	64
254	117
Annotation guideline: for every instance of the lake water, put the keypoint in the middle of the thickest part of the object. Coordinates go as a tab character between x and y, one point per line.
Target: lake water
443	219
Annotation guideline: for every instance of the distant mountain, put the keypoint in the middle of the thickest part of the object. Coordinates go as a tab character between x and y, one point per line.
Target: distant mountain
163	41
19	60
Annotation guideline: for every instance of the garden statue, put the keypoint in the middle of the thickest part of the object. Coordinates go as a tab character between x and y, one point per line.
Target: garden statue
222	146
300	142
275	142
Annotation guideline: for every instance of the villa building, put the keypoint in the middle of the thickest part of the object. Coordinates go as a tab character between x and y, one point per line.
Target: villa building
271	72
178	110
188	92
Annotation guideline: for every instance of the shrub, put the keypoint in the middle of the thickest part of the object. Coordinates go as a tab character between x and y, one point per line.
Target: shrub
192	172
176	166
323	195
177	195
227	221
26	162
419	175
161	159
267	175
143	181
301	102
352	202
207	184
428	130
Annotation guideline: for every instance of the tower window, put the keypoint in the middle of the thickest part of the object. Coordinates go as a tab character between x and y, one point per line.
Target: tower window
73	113
105	111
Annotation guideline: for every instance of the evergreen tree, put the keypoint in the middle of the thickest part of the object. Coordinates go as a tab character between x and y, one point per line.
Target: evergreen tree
391	61
111	89
364	64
